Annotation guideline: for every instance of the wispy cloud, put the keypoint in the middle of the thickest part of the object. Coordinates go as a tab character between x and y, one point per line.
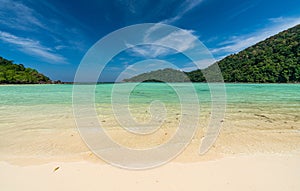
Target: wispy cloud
242	8
32	47
180	40
18	16
157	45
39	30
237	43
132	6
148	51
185	7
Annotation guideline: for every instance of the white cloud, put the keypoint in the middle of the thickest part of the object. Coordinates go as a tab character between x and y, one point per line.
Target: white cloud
238	43
242	8
148	51
180	40
157	44
32	47
18	16
185	7
60	47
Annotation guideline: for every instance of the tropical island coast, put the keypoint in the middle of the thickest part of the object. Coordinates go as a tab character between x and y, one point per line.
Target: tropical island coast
257	52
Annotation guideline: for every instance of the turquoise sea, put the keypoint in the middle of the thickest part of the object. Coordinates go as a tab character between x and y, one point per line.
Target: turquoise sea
19	101
265	96
29	95
37	120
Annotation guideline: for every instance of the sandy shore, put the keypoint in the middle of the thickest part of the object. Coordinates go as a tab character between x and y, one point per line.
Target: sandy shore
258	149
256	172
42	137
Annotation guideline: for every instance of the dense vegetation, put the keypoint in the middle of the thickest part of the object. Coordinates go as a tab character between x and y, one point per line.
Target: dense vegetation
165	75
274	60
11	73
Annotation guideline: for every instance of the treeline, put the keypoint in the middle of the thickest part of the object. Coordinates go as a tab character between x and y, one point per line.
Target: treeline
274	60
11	73
164	75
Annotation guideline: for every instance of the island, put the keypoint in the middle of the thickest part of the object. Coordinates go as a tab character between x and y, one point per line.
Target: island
274	60
11	73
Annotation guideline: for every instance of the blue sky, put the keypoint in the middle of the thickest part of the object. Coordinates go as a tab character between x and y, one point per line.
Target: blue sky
52	36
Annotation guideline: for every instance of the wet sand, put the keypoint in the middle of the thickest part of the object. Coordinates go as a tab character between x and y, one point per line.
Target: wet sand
257	149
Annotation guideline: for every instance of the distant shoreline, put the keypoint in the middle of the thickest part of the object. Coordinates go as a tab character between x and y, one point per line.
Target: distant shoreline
90	83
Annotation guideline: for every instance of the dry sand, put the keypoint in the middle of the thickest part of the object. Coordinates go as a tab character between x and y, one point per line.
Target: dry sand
259	173
256	150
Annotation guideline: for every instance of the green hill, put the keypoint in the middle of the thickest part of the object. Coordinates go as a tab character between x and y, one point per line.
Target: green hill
165	75
11	73
274	60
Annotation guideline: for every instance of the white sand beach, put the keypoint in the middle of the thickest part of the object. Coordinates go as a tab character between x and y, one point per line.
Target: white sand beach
258	149
248	173
260	159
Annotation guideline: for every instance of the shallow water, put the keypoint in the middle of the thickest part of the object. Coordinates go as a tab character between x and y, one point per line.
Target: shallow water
37	120
24	102
19	101
236	93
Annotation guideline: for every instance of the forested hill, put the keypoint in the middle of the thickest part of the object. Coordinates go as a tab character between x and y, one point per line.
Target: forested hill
11	73
274	60
165	75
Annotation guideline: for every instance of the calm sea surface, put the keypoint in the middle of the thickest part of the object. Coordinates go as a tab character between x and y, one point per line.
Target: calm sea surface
18	101
287	95
37	120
